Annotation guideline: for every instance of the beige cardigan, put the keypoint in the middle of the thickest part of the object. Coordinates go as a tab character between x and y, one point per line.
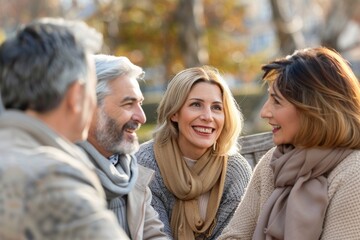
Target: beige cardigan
342	219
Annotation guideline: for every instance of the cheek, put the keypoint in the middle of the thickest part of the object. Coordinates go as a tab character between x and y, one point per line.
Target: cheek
294	125
221	121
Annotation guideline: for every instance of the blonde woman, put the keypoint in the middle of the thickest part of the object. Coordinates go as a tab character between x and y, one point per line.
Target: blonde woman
200	177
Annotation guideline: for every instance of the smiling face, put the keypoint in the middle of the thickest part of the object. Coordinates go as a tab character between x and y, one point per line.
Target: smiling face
282	116
117	119
200	120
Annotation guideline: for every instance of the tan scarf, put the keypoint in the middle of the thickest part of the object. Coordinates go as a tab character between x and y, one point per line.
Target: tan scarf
208	174
296	208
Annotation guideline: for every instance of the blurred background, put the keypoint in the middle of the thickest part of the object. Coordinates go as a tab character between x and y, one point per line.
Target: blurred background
236	36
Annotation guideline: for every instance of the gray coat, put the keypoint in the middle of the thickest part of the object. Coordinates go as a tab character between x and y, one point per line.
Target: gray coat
48	187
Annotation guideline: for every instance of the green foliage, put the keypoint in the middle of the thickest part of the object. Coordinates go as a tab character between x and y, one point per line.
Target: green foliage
145	132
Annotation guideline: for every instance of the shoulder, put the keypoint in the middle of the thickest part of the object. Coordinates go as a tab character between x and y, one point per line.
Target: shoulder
145	156
347	172
349	166
237	160
46	165
146	146
264	162
64	178
62	163
238	164
43	159
47	171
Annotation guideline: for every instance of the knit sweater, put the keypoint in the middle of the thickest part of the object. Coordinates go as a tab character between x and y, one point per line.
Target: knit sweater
237	177
342	215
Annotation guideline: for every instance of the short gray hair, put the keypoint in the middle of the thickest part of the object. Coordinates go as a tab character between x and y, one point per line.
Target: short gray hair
42	60
108	68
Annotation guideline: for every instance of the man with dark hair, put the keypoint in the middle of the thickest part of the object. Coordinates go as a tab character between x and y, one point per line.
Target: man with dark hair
48	187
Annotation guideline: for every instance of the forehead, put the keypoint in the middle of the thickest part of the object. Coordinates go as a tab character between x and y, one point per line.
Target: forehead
125	86
205	88
274	89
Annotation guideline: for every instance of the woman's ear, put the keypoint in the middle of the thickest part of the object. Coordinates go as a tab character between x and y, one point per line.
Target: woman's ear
174	117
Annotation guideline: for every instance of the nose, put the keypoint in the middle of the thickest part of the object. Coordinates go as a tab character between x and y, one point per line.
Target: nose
139	115
206	115
265	110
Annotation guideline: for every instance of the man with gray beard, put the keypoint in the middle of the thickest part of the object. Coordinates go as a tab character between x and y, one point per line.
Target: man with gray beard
112	141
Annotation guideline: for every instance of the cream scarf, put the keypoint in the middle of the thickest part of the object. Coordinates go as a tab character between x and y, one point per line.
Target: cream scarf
208	174
296	208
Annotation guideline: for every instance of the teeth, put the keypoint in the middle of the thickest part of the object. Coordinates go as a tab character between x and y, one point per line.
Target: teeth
203	130
276	127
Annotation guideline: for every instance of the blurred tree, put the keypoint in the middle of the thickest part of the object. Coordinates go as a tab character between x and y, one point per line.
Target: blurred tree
337	16
190	18
15	12
141	30
169	35
288	25
288	19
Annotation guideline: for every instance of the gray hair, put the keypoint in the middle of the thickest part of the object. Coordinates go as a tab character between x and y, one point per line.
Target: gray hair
110	67
42	60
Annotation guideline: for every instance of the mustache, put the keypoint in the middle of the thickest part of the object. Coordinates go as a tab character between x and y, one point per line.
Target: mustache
132	125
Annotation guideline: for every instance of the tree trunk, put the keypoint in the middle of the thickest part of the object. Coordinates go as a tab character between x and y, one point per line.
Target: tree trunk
190	17
288	27
336	21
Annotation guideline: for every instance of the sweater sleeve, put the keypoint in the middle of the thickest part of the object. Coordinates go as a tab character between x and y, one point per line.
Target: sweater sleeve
343	213
243	223
237	178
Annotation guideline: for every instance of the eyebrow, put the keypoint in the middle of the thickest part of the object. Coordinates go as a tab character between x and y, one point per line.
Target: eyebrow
201	100
132	99
275	95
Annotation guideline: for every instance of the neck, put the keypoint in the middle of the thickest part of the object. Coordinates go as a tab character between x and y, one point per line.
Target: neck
92	139
56	122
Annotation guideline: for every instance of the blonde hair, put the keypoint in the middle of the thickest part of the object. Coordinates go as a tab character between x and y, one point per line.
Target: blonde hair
176	95
325	91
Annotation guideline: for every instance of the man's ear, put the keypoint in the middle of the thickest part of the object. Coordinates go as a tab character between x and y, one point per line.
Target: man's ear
75	96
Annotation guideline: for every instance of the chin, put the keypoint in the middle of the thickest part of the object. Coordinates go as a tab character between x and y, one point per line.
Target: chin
127	147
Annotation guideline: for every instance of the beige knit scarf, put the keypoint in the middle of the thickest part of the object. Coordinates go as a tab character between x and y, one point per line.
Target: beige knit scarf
296	208
208	174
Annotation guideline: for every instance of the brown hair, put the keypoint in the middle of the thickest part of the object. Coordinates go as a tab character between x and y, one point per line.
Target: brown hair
325	91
